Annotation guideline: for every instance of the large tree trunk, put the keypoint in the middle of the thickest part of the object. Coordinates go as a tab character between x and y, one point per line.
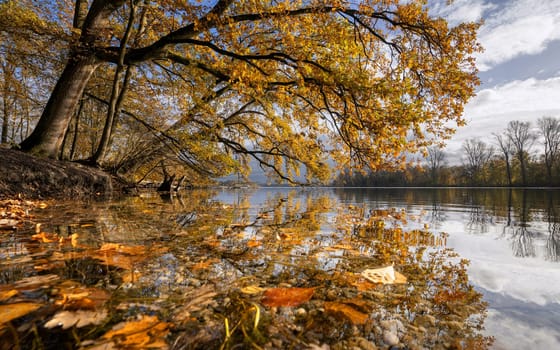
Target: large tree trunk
47	137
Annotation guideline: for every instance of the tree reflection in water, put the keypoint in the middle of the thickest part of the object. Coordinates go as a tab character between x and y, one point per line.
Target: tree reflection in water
201	266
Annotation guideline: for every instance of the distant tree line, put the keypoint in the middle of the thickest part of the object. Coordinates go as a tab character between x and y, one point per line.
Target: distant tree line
524	154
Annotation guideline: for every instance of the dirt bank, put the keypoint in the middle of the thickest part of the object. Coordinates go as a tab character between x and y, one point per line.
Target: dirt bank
38	178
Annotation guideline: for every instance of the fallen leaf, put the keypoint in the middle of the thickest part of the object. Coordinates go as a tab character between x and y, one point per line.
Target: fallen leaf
79	318
12	311
131	276
287	296
203	265
252	243
7	294
45	237
8	224
146	332
123	249
364	285
360	304
35	282
252	290
346	311
385	275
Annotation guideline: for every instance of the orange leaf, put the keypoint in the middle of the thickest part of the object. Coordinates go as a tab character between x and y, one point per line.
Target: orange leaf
253	243
287	296
203	265
123	249
45	237
346	311
7	294
145	332
12	311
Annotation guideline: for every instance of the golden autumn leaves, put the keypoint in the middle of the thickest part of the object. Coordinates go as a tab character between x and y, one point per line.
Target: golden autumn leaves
291	85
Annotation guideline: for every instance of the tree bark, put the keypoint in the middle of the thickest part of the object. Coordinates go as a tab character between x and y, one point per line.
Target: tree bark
117	93
46	138
76	130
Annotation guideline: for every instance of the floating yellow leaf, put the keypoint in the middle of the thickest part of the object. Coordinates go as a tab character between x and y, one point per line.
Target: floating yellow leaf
12	311
346	311
79	318
287	296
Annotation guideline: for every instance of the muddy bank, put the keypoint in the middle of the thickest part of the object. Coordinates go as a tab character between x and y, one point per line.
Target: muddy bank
38	178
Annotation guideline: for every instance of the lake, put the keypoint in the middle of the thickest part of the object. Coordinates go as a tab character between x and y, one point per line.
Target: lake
512	239
510	236
279	267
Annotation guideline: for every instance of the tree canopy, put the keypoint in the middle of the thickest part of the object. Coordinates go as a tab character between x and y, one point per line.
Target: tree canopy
287	85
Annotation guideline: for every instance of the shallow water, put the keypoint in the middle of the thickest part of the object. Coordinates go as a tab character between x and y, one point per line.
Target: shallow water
155	253
512	239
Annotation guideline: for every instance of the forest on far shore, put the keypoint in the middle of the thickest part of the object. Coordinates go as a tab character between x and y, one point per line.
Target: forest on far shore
524	154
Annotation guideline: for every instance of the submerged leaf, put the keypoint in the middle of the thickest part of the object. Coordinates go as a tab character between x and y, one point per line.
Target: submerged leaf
12	311
203	265
146	332
7	294
251	290
346	311
123	249
287	296
45	237
8	224
80	318
35	282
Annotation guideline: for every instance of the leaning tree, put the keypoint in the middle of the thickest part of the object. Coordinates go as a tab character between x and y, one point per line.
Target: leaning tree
288	85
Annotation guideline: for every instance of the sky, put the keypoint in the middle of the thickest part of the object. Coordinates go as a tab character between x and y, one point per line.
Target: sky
519	68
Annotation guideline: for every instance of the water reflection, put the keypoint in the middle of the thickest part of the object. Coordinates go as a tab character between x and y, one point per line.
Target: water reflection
202	261
525	217
511	238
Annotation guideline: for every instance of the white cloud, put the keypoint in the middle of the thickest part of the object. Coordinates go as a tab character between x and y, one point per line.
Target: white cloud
493	266
515	334
493	108
516	96
462	10
522	27
510	29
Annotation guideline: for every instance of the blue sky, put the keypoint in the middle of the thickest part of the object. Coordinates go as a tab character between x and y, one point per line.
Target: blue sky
519	69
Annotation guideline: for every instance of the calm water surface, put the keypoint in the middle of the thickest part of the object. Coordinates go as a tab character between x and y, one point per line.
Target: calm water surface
511	237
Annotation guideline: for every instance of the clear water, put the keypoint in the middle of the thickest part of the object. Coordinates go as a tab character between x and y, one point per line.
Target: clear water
511	237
